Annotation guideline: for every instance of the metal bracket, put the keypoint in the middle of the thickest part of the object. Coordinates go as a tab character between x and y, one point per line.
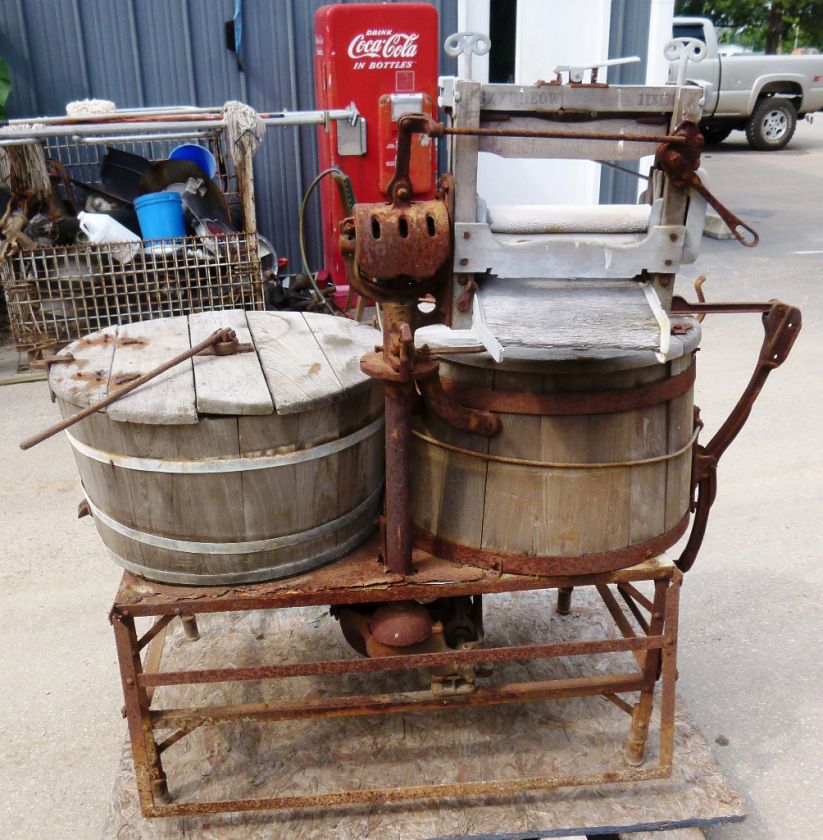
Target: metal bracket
351	138
577	72
45	364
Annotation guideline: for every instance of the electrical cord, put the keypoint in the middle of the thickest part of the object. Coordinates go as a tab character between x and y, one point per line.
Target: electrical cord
300	229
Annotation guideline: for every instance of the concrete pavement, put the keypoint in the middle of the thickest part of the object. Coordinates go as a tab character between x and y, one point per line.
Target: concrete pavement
752	614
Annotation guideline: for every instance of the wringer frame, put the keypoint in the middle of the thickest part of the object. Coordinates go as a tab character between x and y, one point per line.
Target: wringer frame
580	295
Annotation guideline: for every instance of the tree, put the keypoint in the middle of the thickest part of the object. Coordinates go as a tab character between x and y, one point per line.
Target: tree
770	22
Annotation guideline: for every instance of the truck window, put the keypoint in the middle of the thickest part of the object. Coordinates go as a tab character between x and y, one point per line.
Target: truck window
689	30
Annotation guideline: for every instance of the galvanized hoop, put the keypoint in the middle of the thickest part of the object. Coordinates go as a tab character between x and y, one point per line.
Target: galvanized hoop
226	465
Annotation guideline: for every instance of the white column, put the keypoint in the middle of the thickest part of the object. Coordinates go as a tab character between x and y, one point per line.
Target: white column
549	34
661	14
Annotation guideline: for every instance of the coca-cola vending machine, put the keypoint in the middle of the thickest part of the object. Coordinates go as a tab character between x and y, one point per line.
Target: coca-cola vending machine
384	58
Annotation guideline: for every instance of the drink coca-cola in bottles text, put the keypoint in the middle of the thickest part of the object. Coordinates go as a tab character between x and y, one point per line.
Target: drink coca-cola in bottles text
384	58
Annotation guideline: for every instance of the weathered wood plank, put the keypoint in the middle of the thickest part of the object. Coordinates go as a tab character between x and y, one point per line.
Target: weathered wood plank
343	342
588	315
228	384
85	380
298	373
680	429
168	399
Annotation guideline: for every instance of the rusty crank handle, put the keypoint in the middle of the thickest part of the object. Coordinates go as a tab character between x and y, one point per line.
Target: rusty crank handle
736	225
781	325
680	161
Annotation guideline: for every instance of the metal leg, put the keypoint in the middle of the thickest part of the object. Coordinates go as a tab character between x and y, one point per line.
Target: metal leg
635	745
190	627
139	681
564	599
148	769
669	674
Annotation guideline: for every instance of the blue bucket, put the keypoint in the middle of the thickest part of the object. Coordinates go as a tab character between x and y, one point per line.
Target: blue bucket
196	154
160	215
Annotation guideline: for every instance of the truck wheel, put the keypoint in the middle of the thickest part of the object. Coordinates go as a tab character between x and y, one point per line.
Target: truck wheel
771	125
713	135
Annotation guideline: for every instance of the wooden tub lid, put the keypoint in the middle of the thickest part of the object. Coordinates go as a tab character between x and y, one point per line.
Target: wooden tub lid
300	361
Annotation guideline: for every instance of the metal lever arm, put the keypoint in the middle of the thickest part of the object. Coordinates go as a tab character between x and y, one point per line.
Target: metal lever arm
681	161
781	324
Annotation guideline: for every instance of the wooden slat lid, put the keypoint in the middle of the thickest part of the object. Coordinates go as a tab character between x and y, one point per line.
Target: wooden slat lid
298	362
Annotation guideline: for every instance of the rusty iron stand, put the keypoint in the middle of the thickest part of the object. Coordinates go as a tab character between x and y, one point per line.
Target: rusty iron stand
653	644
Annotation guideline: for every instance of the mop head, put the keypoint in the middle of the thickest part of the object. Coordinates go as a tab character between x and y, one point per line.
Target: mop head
90	108
244	127
23	169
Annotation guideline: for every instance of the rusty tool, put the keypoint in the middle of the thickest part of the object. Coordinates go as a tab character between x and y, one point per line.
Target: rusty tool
220	343
680	162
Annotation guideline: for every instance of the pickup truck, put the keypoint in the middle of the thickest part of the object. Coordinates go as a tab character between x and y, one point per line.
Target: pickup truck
762	95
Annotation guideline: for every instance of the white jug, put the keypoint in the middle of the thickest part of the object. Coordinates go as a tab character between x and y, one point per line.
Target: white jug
100	228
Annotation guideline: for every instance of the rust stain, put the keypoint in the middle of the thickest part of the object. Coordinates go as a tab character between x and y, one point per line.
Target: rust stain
89	378
315	368
132	342
99	340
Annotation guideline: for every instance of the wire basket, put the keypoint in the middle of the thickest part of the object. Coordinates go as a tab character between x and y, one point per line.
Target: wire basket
59	293
83	156
55	295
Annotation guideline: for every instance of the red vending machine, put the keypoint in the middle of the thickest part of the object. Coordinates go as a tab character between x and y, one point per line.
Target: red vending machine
384	58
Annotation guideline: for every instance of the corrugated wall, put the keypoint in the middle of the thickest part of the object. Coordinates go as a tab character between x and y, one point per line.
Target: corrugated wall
172	52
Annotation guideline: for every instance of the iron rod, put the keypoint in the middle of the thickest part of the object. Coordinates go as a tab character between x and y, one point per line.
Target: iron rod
177	122
400	663
214	338
158	625
379	796
560	135
309	708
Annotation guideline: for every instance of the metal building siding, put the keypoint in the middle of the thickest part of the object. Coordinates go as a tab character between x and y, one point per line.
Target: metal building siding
172	52
628	35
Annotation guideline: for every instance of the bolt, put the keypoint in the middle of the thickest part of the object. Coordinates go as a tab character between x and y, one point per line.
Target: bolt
129	681
673	237
668	262
403	192
466	235
464	261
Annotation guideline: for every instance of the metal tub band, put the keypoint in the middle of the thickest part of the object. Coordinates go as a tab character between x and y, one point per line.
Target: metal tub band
575	403
226	465
281	570
248	547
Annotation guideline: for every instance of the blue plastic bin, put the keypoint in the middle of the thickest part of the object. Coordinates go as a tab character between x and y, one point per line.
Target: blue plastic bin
160	215
196	154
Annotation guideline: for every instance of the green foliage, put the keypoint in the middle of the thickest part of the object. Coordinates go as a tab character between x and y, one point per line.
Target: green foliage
762	24
5	87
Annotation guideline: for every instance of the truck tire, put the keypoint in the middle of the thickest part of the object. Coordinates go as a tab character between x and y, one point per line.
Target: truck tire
771	125
715	134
